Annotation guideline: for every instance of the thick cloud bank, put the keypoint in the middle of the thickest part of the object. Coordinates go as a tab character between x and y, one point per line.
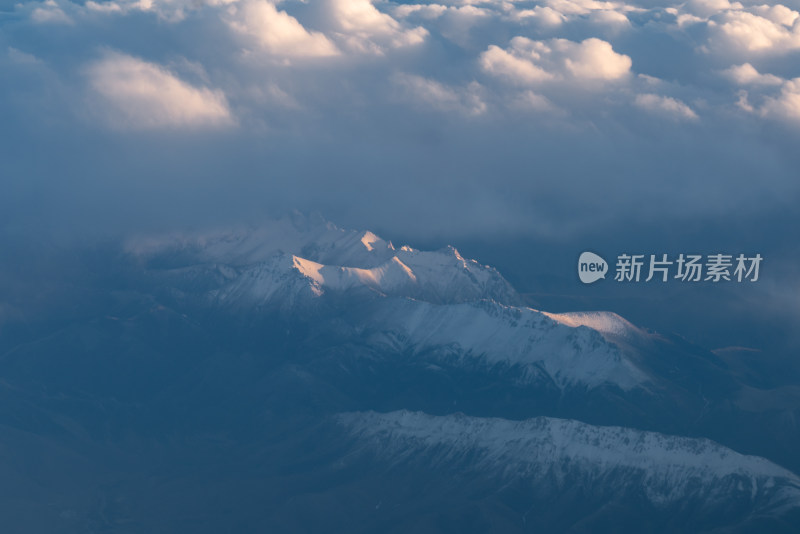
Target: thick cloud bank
544	118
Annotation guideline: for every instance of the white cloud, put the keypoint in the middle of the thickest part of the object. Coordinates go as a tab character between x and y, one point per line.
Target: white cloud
773	97
22	58
540	73
517	64
530	101
456	23
363	28
734	29
142	95
685	19
746	74
583	7
167	10
743	102
50	13
747	32
361	16
779	14
526	61
610	18
593	59
104	7
278	33
426	11
554	13
707	8
545	15
786	106
442	97
664	105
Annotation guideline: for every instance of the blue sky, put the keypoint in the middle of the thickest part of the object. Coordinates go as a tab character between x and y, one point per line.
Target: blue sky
667	125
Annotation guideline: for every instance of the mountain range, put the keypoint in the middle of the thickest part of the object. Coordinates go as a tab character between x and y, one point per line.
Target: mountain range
300	377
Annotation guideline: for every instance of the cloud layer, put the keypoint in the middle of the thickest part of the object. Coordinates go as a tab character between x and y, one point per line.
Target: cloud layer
558	50
139	94
485	115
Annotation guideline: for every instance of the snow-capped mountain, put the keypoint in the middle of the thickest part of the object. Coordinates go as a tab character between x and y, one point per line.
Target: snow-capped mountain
309	237
559	453
436	302
279	364
314	257
438	276
533	342
608	324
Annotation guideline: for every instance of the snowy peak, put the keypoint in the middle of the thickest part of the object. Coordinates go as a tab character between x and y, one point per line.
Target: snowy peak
489	333
436	303
282	280
425	276
532	345
307	237
392	277
607	323
330	259
664	468
309	269
372	242
445	276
